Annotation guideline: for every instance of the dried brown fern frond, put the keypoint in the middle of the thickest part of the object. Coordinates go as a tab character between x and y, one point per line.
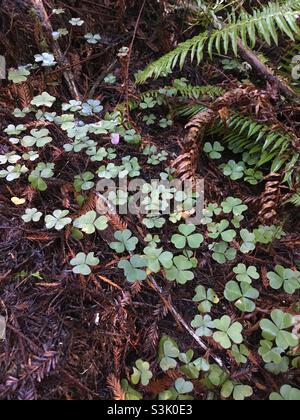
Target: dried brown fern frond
23	93
103	206
40	236
243	97
114	385
186	163
270	199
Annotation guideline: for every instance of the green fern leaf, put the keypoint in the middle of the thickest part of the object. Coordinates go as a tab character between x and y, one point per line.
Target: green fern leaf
263	23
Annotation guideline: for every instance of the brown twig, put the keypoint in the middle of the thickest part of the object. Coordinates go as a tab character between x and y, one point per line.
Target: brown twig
68	75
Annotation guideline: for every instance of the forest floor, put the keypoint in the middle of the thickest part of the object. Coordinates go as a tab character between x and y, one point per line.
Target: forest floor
74	337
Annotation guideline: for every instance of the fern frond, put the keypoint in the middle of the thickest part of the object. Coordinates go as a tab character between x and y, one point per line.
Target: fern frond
272	145
288	65
265	23
197	92
185	92
295	199
242	134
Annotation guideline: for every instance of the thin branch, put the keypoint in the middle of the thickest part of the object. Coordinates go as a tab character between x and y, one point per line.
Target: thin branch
62	59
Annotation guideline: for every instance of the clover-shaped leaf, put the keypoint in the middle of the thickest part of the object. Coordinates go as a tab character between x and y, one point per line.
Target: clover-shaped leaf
246	274
276	329
234	170
187	237
242	294
125	241
13	130
204	325
234	205
179	271
252	176
148	102
118	198
209	212
83	262
228	332
155	222
168	352
213	150
269	353
183	387
10	157
132	137
284	277
47	59
249	241
186	357
220	229
157	258
222	252
58	220
84	182
32	215
92	107
141	373
241	392
152	240
12	173
97	155
287	393
240	353
206	298
38	138
43	100
268	234
89	222
133	268
19	75
76	22
92	38
277	369
41	172
149	119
